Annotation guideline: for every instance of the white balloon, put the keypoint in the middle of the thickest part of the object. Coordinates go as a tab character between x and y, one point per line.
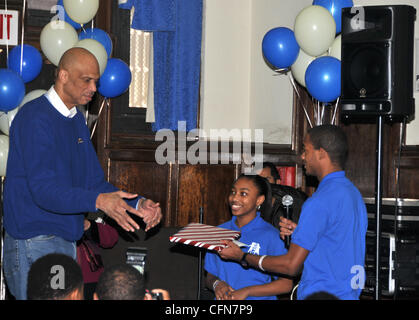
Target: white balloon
298	69
32	95
335	48
314	29
6	118
97	49
4	151
56	38
81	11
4	122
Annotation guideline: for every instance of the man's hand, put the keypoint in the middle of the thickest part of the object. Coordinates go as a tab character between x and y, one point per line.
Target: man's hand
231	251
286	227
151	213
115	207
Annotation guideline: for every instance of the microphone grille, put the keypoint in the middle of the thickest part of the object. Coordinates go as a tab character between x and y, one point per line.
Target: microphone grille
287	200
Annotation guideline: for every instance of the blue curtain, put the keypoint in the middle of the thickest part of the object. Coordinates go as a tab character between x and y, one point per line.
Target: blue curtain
177	34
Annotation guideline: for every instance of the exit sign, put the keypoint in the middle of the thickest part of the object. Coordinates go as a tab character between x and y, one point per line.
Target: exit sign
9	25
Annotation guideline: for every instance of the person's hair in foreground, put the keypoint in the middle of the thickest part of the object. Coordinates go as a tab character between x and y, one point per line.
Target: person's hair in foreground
121	282
55	276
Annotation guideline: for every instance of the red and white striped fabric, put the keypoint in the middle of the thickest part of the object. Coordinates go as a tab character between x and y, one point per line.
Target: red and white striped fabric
204	236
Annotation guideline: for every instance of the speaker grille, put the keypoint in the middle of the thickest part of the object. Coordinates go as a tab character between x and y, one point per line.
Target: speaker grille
368	71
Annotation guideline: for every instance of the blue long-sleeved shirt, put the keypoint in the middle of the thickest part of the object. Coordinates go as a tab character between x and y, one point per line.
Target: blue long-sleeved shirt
53	175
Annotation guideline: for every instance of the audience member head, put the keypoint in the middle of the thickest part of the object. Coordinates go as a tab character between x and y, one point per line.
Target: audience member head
270	172
120	282
55	276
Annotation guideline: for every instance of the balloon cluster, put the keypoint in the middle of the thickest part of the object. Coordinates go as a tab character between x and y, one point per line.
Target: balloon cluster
24	62
312	51
59	36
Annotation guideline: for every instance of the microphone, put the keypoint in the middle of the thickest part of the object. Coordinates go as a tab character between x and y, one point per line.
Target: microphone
287	201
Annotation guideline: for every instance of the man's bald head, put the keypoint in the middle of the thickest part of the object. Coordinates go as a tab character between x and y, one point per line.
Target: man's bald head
77	73
76	57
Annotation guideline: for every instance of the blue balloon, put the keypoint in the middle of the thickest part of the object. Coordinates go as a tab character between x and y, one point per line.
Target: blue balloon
115	80
67	19
12	90
323	78
335	8
31	62
98	35
280	48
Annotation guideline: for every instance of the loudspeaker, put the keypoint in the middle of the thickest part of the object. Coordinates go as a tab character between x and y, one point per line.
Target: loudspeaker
377	62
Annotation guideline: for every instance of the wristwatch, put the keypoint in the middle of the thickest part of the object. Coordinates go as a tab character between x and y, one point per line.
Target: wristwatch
243	261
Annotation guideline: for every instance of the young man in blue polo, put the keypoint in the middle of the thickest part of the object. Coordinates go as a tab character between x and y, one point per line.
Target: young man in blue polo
329	240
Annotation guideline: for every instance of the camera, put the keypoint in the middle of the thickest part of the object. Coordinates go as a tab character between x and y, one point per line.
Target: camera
136	256
157	295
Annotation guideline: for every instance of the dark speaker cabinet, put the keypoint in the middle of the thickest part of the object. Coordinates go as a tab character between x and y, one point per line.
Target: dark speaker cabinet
377	62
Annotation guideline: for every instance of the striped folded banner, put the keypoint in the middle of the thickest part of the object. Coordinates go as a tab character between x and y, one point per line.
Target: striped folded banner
204	236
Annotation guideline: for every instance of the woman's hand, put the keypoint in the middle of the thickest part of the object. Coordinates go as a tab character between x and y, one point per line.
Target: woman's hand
240	294
223	291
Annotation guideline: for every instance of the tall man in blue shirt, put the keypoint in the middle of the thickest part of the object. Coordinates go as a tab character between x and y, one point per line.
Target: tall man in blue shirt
329	240
53	175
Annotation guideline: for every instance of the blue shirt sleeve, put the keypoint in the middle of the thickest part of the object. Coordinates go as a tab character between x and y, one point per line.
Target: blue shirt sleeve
311	225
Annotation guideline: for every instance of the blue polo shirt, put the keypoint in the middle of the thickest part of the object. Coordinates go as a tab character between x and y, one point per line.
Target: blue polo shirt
332	227
263	239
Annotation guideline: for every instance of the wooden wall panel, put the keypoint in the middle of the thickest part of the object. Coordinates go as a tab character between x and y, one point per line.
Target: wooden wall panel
205	186
409	173
145	178
362	160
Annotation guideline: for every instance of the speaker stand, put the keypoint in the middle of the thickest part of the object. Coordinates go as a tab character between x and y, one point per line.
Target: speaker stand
378	203
201	220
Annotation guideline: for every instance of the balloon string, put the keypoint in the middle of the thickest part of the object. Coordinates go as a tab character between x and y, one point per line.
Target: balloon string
98	115
318	113
299	99
323	107
23	32
87	112
314	104
7	39
334	112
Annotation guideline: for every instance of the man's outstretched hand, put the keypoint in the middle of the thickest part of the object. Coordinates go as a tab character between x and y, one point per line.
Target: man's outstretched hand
113	205
151	213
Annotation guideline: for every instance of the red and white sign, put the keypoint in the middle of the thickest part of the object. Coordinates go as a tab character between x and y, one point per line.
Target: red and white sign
9	27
